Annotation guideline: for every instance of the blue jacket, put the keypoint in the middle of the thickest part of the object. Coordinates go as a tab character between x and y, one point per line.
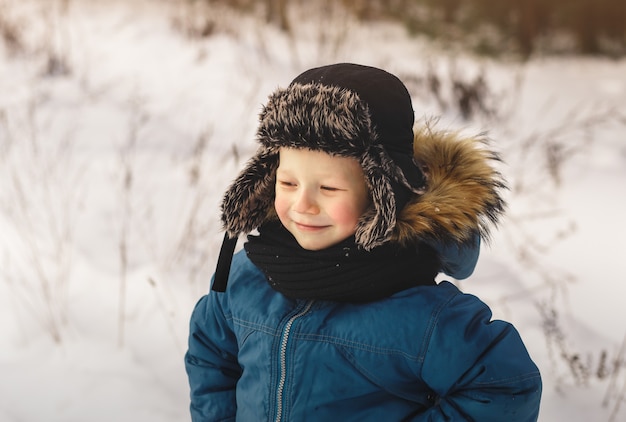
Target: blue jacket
430	353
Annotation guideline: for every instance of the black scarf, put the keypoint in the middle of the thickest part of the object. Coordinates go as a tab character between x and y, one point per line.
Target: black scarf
343	272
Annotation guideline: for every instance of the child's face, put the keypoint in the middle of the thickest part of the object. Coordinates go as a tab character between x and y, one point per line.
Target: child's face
319	197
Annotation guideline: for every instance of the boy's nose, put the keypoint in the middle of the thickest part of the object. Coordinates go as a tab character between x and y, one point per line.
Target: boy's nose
305	203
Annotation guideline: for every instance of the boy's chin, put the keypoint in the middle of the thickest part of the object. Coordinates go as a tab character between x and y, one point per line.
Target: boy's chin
316	247
317	243
316	239
312	244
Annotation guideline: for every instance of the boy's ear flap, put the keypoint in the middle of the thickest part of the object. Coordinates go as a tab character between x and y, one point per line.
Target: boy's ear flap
376	226
250	198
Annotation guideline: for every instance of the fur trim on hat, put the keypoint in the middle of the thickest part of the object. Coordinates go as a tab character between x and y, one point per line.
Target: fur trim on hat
318	117
463	195
323	118
250	199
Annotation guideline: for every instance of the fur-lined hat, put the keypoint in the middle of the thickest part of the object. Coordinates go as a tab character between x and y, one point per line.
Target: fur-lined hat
366	113
343	109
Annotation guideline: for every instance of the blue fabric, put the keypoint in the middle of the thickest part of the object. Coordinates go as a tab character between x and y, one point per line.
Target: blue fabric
458	260
430	353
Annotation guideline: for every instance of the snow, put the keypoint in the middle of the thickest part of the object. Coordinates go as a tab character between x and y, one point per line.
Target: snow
112	169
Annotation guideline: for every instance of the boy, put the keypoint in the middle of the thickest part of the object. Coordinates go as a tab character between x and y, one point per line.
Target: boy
332	311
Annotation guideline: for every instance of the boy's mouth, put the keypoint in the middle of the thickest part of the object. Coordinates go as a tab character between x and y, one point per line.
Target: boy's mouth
309	227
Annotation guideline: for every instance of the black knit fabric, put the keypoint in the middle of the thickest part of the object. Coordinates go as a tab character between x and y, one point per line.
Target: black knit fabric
343	272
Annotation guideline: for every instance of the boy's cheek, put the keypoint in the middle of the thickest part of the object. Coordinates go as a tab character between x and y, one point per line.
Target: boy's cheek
280	206
345	213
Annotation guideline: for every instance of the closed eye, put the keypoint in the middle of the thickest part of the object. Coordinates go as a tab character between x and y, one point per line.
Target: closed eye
286	183
330	188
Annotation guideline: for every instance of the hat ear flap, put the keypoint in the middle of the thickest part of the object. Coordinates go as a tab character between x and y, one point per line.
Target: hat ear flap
376	225
250	198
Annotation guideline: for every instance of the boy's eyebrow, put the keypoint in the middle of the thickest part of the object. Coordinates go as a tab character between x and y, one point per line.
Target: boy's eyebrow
329	176
319	172
282	170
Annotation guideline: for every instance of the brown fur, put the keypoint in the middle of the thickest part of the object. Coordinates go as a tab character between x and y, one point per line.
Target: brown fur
463	193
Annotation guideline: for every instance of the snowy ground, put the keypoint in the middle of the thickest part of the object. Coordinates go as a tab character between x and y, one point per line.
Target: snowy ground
119	130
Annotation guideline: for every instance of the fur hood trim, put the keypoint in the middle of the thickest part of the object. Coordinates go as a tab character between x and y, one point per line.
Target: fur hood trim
463	194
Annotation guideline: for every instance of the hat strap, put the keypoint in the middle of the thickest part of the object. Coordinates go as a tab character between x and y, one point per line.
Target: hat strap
223	263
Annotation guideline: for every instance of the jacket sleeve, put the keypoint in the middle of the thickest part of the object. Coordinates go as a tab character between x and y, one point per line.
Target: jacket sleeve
478	369
211	362
458	260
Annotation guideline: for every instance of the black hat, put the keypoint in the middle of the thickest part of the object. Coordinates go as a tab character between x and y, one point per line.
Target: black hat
343	109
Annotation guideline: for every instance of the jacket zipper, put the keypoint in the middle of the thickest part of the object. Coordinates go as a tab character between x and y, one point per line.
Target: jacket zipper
283	360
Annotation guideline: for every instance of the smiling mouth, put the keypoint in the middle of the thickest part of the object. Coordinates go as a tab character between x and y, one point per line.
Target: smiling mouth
307	227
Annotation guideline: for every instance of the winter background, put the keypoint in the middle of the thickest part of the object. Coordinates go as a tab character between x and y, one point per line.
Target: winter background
121	124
